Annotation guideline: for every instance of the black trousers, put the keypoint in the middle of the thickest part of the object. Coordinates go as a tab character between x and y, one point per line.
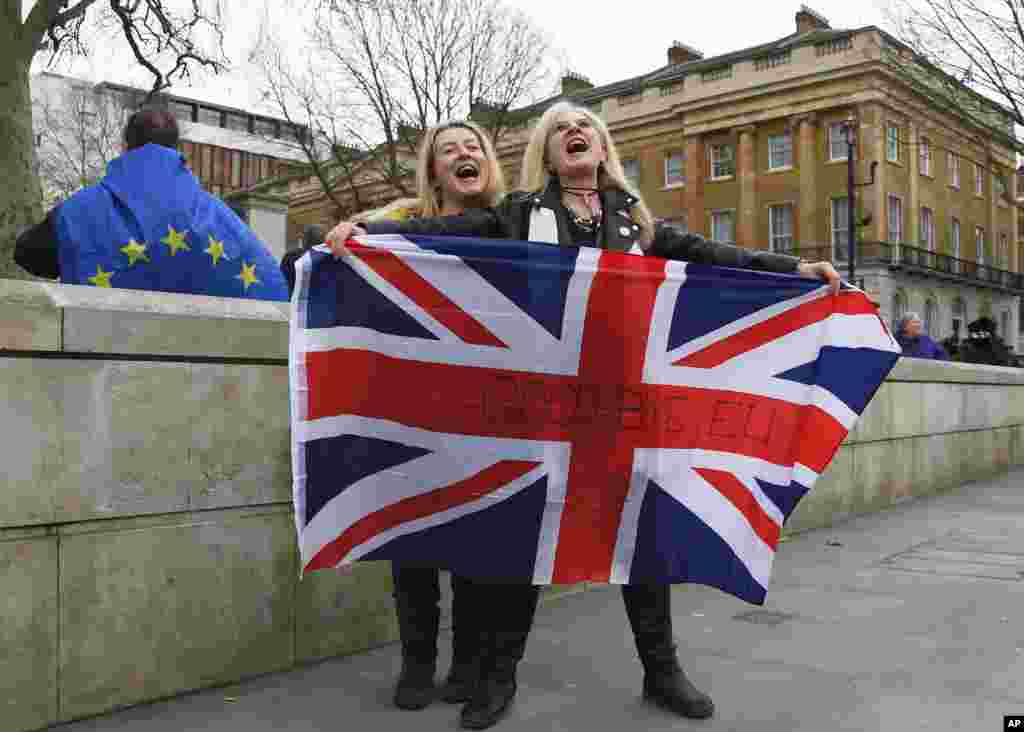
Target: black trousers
417	593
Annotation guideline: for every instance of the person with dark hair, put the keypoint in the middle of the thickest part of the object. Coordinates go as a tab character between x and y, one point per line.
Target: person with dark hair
149	225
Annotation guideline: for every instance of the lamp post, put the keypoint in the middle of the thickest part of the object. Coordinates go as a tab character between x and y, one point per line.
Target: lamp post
851	201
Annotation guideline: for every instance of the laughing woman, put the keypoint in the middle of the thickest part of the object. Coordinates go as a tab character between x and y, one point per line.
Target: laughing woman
575	194
456	170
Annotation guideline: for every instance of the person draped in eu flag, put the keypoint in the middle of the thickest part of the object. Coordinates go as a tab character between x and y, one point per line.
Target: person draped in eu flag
149	225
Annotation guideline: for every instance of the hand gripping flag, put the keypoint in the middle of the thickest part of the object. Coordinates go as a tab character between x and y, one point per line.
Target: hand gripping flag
148	225
517	411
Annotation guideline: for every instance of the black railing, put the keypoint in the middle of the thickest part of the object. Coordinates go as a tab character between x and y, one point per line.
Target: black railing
915	258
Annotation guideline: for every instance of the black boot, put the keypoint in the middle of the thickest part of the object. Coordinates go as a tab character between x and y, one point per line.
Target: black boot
649	611
512	609
465	668
417	597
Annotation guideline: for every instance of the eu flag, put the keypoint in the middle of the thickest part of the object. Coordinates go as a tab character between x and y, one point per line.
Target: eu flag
148	225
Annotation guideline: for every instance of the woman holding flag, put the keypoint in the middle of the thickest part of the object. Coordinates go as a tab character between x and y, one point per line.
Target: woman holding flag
575	194
456	170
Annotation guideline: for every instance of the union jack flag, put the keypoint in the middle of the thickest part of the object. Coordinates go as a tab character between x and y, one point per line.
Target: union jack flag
525	412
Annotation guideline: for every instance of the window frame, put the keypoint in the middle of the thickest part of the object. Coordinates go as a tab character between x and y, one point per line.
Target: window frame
731	213
625	164
787	151
892	142
832	158
955	231
953	161
682	168
839	255
901	230
773	235
712	161
979	245
926	228
979	181
924	159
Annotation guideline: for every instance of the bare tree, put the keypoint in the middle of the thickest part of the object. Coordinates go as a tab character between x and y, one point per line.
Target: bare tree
378	74
166	37
963	55
78	131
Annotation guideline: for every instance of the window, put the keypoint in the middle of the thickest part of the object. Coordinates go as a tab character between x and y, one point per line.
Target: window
840	228
924	166
182	111
238	122
927	229
265	127
954	169
722	72
675	168
838	149
837	45
780	151
979	182
1004	252
770	62
631	167
627	99
892	143
208	116
979	245
931	320
780	227
955	233
668	90
998	186
895	220
723	226
723	164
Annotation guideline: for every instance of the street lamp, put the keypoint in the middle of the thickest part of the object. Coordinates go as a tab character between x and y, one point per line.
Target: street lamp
850	128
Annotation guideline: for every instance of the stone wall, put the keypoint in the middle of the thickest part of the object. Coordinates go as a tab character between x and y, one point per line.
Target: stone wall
147	545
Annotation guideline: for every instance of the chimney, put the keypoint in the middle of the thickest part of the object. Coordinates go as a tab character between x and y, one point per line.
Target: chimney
573	82
810	20
680	53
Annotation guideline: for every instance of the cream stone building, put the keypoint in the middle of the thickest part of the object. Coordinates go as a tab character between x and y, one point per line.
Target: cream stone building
750	147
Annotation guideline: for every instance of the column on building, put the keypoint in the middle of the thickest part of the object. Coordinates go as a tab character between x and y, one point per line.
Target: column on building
992	220
746	226
696	172
912	215
874	151
806	234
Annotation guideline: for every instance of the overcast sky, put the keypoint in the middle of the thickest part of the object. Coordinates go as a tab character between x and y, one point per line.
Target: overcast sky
604	40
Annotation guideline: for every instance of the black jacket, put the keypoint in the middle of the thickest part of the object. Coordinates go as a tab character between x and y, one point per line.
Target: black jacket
512	219
36	249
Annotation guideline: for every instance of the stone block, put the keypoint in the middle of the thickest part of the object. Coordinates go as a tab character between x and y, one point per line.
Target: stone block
882	475
339	612
28	629
908	408
943	408
155	606
128	429
240	446
1016	445
31	451
937	463
29	319
828	502
1001	449
876	422
161	323
976	449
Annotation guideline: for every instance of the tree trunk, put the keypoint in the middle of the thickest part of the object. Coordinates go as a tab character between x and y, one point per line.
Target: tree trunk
20	194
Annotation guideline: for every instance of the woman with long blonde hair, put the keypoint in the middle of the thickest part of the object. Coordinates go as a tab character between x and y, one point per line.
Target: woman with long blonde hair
575	194
456	170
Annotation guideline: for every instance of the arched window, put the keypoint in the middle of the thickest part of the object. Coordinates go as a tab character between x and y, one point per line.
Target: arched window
899	309
931	318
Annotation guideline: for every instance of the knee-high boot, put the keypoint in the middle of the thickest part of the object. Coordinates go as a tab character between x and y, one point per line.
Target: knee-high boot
650	615
465	668
503	632
417	604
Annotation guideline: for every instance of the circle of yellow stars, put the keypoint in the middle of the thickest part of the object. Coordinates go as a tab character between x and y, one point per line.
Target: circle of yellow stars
176	242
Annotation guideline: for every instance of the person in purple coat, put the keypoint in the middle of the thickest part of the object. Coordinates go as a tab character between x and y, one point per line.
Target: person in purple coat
916	344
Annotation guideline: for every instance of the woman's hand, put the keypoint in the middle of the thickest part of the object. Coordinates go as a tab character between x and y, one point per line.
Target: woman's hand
820	270
341	233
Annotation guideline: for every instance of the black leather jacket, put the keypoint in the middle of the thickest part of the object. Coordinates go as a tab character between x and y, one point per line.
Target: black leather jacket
511	219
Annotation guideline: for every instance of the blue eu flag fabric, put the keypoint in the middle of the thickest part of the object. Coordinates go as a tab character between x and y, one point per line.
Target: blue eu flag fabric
148	225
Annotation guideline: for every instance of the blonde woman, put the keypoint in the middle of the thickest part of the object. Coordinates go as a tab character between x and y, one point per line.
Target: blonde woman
575	194
457	169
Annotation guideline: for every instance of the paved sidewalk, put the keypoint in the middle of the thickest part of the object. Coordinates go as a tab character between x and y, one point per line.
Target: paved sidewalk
912	619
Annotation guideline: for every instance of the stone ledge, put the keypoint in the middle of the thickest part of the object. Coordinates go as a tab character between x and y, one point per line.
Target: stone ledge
921	369
43	316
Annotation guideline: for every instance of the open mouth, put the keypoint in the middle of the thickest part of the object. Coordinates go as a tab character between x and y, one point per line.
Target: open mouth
577	145
467	171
